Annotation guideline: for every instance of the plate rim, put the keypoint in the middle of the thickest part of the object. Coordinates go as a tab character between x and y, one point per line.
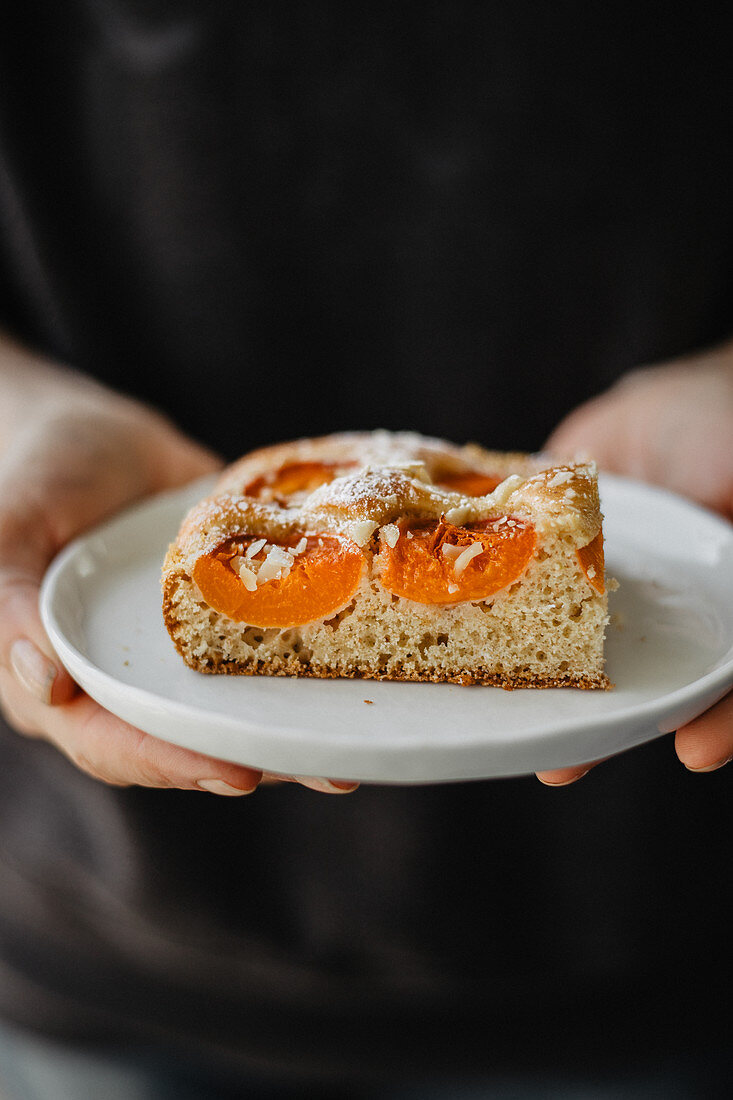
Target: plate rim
83	667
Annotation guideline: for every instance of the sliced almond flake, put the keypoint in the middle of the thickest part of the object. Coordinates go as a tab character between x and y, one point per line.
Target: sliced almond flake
255	548
390	533
248	578
459	514
502	492
278	563
361	531
466	556
451	552
560	477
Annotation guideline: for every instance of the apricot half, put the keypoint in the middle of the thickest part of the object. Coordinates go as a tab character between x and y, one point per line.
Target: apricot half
439	563
592	562
294	477
323	577
471	483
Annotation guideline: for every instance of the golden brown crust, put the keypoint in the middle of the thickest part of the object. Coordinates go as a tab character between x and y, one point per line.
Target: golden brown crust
173	625
376	448
382	478
399	484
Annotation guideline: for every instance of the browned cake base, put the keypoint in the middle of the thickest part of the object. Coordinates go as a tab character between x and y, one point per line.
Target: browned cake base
486	679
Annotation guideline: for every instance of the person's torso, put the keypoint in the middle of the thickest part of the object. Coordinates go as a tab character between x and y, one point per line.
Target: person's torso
459	219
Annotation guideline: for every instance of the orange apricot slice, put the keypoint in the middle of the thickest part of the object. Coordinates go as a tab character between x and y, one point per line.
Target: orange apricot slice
471	483
439	563
322	579
294	477
592	562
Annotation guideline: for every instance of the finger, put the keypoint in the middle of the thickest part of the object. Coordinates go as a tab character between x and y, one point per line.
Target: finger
117	753
326	786
314	783
706	743
26	547
181	461
563	777
579	433
25	650
601	432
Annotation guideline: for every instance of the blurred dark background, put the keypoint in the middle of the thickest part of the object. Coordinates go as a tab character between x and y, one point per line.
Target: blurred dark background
459	218
278	220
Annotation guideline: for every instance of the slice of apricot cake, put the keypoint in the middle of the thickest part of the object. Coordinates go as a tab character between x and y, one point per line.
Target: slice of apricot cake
396	557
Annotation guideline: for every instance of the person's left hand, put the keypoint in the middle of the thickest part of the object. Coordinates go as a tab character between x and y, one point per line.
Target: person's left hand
671	425
74	454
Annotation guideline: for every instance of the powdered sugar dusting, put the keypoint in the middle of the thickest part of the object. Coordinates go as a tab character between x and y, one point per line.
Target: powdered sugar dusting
394	482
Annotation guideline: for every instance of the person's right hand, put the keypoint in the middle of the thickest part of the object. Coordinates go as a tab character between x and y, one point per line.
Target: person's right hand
671	425
82	454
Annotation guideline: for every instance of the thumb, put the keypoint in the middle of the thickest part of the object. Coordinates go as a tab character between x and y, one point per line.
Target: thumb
25	651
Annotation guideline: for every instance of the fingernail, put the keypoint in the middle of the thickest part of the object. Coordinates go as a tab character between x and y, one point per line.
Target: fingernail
564	782
328	786
33	669
711	767
218	786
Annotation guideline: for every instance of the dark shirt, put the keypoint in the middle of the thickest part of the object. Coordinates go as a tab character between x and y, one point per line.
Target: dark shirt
457	218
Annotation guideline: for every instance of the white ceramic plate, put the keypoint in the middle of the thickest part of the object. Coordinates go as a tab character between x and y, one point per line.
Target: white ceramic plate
670	655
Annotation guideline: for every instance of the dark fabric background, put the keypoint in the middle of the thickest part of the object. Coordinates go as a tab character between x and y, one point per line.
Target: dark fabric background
274	221
462	218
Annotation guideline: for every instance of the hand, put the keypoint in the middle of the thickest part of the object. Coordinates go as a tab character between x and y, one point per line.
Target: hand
671	425
81	455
